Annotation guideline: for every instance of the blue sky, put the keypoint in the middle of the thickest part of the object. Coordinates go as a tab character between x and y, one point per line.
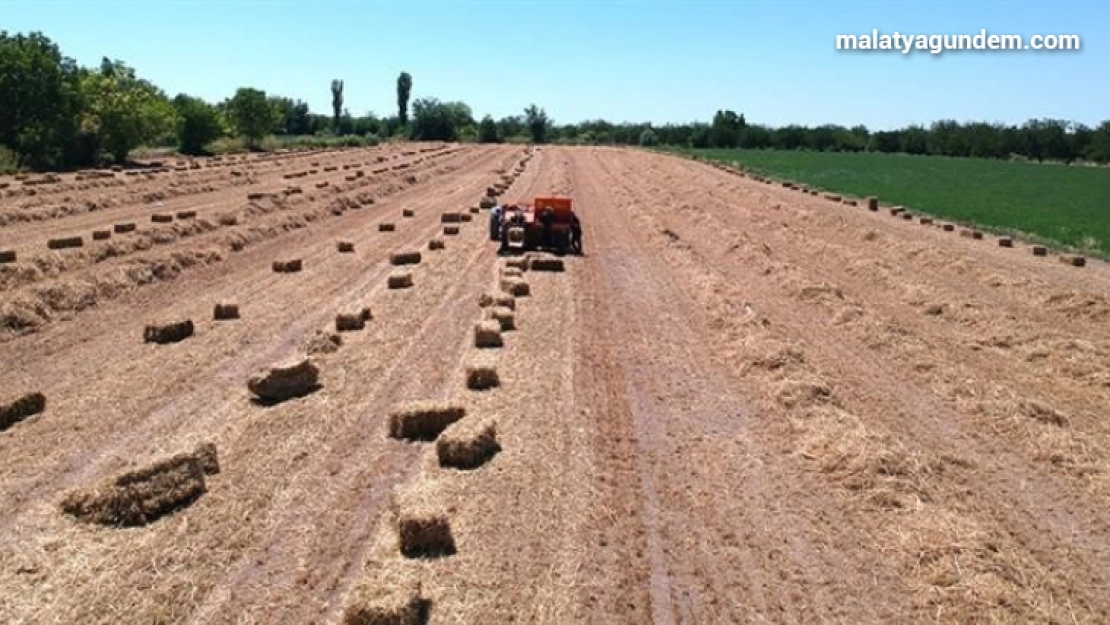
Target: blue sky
661	61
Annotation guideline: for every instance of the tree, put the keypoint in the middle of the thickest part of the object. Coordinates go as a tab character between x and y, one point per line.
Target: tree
1099	148
648	138
40	99
487	131
404	90
336	102
123	110
538	123
198	124
251	114
510	127
726	129
433	120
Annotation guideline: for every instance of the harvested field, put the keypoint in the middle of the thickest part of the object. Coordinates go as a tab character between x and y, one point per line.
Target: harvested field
744	404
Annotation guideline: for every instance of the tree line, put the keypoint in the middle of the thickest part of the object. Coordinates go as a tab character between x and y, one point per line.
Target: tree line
55	114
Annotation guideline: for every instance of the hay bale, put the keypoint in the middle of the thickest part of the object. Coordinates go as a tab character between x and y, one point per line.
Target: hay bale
977	235
161	218
65	242
19	409
466	218
515	287
322	184
436	244
7	256
323	342
255	196
511	272
487	334
423	420
907	216
519	263
208	458
503	316
450	218
389	599
487	202
828	196
450	230
124	228
345	247
423	528
140	497
186	214
474	210
872	203
349	322
504	300
1005	242
288	266
399	280
101	235
408	212
482	376
1074	261
365	313
546	264
224	312
948	227
896	210
173	332
386	226
404	258
468	444
849	202
1040	250
285	381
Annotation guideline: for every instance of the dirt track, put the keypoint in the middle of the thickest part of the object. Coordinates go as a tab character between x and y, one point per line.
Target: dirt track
743	404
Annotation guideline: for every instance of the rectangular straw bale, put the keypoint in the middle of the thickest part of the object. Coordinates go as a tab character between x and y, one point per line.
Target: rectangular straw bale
423	420
468	444
404	258
171	332
142	496
487	334
19	409
423	526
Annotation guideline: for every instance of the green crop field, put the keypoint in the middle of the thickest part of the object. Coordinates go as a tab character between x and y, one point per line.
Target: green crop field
1058	204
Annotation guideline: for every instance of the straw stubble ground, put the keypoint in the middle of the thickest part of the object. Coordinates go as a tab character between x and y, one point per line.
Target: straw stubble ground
744	404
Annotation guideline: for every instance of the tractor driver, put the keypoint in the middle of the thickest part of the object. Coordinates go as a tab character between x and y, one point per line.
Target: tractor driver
547	217
575	234
495	223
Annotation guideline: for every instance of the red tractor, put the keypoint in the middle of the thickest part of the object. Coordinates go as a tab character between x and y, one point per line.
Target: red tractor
550	223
